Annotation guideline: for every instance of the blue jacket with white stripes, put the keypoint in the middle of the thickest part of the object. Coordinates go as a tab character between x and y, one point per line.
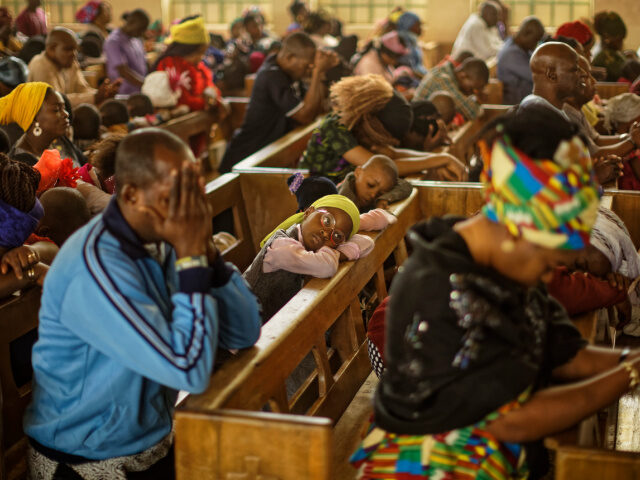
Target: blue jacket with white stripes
120	332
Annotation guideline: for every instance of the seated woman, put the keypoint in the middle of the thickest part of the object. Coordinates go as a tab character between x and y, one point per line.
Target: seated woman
96	14
409	27
612	30
367	117
40	112
381	56
9	43
473	341
183	62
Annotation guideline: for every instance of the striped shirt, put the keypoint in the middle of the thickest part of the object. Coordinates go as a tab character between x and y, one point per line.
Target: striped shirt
444	78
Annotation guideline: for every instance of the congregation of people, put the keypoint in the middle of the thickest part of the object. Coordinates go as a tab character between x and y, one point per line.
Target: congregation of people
107	212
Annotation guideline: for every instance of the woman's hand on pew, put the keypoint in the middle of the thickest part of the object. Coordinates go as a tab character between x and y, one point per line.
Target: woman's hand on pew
19	259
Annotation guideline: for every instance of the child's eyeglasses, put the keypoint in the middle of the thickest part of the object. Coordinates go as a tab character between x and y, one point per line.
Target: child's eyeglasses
328	224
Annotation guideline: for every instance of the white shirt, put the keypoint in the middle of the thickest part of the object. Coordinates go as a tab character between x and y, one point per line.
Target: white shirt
476	37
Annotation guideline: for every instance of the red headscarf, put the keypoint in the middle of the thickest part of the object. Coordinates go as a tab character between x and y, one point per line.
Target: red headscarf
578	30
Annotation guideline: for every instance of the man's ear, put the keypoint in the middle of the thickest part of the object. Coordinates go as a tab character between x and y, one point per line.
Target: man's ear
130	194
358	171
550	73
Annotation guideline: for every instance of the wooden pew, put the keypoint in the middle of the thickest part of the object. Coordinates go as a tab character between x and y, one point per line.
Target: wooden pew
493	92
492	64
462	146
18	316
256	378
283	153
190	126
607	90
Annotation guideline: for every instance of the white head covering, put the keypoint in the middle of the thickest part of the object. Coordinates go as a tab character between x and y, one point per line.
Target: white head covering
621	108
611	237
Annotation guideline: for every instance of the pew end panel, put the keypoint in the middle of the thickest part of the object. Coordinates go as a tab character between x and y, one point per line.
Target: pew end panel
225	193
233	444
18	316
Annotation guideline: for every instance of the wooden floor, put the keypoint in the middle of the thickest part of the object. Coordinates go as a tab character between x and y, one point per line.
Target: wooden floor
347	433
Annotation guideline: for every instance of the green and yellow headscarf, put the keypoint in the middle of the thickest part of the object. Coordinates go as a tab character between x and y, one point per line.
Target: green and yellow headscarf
23	104
552	203
335	201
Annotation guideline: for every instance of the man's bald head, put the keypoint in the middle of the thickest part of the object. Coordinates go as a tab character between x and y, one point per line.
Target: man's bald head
490	13
555	71
61	47
530	33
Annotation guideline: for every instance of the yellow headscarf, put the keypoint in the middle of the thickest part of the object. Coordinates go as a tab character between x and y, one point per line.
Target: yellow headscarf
191	32
23	104
335	201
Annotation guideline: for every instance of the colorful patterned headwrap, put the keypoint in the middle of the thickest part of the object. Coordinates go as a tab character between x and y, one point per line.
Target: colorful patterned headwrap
89	11
552	203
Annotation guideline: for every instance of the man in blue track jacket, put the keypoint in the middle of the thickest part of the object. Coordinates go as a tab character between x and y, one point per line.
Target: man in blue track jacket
133	310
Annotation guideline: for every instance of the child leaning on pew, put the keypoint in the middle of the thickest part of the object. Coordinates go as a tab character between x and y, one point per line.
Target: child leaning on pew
312	243
375	184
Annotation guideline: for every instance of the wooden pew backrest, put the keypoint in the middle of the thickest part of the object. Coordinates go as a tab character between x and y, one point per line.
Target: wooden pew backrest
607	90
268	202
225	193
442	198
284	152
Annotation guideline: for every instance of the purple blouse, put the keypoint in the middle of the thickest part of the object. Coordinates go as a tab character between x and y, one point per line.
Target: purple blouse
121	49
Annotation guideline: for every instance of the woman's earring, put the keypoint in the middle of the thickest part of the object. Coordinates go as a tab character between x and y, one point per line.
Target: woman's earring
37	131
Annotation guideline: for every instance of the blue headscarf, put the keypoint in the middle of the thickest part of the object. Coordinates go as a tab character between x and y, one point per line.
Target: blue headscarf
406	21
16	225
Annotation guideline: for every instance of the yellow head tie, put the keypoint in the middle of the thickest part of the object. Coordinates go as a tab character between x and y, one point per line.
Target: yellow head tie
335	201
23	104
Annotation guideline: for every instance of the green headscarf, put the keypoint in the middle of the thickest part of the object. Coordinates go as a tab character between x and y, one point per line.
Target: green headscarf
335	201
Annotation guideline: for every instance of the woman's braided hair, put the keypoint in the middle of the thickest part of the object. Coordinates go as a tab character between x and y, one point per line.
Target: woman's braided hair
18	183
356	100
